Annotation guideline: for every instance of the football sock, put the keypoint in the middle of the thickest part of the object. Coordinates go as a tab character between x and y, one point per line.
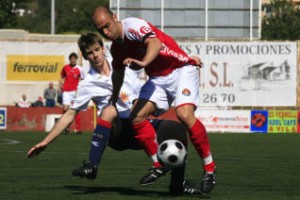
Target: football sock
210	167
146	136
99	141
198	137
156	164
155	160
77	122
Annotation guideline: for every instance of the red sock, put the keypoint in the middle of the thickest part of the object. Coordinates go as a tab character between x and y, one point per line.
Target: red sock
146	136
104	123
156	164
209	168
77	122
198	137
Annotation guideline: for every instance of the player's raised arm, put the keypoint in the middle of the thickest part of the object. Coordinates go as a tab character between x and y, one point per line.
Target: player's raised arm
153	48
62	123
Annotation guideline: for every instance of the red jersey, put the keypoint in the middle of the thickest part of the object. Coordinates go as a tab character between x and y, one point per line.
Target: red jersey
72	76
136	30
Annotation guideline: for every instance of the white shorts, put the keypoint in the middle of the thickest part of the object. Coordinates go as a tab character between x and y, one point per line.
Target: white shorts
68	96
181	86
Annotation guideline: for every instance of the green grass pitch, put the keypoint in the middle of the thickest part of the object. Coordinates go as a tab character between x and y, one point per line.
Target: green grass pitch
249	166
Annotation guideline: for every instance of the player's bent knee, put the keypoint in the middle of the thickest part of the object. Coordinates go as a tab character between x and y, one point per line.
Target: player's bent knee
109	113
185	114
141	111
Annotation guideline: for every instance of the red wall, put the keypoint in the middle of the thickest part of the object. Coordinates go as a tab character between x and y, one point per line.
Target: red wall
34	119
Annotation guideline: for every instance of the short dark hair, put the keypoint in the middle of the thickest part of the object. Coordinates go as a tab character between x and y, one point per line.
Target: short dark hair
73	55
87	40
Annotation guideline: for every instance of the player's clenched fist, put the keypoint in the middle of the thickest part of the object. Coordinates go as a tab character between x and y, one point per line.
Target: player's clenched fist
36	150
198	61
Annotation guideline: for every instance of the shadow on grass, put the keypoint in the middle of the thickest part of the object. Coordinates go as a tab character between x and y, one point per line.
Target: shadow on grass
119	190
123	191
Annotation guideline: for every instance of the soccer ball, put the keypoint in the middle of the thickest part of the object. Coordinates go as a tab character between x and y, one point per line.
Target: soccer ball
172	153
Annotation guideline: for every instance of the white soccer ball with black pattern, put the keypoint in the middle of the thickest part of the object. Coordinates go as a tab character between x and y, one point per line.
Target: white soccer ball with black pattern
172	153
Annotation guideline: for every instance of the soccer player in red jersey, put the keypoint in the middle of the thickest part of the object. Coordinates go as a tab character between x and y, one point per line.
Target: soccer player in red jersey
118	134
71	75
173	77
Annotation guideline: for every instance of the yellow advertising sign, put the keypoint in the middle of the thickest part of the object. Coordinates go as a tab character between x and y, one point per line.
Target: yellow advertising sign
282	121
34	67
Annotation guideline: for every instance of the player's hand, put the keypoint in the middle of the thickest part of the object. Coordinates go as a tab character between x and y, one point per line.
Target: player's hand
36	150
134	63
134	67
198	61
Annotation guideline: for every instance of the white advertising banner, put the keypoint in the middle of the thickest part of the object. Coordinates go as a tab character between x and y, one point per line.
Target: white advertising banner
225	120
34	61
246	73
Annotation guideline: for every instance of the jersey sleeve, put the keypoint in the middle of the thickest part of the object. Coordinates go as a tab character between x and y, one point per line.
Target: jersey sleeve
82	98
137	30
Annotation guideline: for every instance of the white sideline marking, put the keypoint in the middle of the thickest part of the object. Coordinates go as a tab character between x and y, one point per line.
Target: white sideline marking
9	142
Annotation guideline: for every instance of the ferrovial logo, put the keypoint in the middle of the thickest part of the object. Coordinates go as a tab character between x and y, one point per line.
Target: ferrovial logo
34	67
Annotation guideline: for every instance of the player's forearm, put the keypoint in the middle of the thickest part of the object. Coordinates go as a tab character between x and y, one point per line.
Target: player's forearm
153	48
61	124
117	81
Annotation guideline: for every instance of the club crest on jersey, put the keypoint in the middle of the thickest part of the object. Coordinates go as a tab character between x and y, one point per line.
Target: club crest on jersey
145	30
134	33
124	96
186	92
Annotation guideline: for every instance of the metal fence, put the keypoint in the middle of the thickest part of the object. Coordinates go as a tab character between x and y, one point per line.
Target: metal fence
197	18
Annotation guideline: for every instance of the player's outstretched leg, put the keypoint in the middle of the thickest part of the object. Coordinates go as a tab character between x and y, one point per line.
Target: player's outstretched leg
199	138
157	170
99	141
145	134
